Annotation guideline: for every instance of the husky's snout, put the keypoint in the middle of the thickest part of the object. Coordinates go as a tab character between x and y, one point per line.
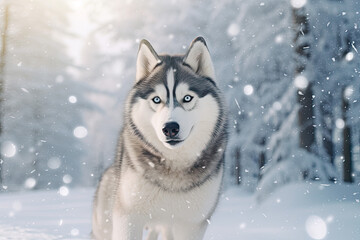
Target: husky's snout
171	130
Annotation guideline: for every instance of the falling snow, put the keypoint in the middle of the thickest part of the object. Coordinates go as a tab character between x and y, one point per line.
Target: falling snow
72	99
80	132
233	30
248	89
298	3
8	149
54	163
63	105
301	82
316	227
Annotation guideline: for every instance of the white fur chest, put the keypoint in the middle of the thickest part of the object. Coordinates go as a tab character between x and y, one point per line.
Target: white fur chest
156	205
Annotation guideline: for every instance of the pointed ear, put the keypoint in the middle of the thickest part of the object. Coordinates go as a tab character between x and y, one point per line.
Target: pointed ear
146	61
198	58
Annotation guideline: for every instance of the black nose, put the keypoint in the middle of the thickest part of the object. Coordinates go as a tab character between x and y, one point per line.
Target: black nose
171	129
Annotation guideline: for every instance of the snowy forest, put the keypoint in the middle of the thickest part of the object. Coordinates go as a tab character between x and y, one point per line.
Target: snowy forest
289	69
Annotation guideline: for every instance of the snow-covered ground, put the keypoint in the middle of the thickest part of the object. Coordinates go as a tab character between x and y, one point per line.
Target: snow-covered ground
296	211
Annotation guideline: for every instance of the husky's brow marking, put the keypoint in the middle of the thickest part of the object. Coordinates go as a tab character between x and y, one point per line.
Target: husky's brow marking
170	87
168	154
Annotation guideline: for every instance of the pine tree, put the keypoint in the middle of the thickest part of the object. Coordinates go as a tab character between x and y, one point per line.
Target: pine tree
347	143
39	117
305	92
4	36
261	94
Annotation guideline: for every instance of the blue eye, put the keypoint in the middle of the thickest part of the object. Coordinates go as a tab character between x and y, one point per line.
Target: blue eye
156	100
187	98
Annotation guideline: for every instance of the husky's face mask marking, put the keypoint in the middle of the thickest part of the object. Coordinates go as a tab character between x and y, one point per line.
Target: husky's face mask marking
173	119
174	101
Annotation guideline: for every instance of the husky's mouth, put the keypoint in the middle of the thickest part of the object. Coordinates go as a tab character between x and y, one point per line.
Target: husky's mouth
174	142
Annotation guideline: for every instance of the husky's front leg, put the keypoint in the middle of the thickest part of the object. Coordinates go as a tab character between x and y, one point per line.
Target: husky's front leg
152	235
190	231
164	231
126	227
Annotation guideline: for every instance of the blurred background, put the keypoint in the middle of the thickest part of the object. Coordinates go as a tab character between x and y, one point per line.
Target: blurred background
290	71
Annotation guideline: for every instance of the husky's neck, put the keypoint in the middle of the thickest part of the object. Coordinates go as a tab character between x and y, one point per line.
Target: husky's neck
189	170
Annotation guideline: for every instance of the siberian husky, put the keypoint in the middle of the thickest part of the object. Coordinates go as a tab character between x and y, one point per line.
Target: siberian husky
168	171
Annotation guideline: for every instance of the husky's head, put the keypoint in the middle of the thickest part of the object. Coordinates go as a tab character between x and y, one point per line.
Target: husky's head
175	104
